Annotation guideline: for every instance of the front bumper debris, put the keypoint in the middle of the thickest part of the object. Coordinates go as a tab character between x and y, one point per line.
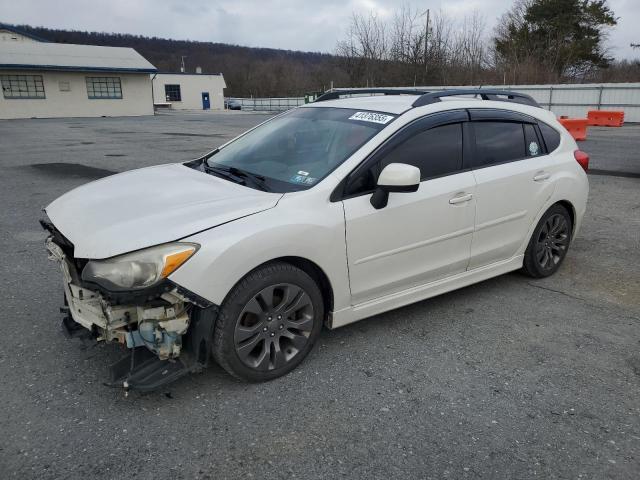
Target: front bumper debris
167	335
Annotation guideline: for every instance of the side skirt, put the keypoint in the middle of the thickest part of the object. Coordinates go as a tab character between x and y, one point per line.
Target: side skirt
422	292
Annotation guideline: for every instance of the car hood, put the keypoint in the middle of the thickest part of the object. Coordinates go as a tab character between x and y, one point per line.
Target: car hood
150	206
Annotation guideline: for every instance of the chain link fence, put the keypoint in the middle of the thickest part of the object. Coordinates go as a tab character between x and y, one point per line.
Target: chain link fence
279	104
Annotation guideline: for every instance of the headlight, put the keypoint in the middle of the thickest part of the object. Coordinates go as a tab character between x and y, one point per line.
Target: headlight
140	269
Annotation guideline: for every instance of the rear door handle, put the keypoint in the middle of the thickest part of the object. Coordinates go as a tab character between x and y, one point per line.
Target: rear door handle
465	197
541	176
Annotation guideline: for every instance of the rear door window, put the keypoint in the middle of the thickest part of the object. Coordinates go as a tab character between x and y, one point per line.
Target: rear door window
498	142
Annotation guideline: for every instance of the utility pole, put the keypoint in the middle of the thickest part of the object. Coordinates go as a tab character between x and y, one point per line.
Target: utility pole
426	44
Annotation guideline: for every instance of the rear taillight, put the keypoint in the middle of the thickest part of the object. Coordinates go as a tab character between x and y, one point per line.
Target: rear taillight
582	158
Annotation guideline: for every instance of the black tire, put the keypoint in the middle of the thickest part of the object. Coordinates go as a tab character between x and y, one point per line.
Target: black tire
279	335
549	243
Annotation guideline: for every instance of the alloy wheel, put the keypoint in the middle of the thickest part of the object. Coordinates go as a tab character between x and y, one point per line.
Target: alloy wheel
274	326
552	242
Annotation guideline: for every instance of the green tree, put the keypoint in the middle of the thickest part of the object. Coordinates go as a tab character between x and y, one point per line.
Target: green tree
559	39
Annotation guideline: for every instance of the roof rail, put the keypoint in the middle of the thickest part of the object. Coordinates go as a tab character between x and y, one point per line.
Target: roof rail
428	97
485	94
335	94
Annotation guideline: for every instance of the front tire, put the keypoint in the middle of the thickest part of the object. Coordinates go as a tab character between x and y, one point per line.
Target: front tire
268	323
549	243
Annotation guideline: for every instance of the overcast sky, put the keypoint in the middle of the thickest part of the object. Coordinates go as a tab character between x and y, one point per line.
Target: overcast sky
292	24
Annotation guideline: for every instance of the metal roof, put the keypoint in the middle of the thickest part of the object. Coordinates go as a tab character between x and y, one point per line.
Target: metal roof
193	74
19	31
69	57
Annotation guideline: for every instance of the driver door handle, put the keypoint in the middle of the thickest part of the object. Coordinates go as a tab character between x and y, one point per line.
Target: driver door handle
460	198
541	176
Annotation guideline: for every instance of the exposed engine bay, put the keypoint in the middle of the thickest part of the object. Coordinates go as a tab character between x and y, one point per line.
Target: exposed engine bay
157	326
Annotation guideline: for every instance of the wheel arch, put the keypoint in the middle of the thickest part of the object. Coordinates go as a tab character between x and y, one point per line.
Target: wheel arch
572	213
313	270
319	276
567	204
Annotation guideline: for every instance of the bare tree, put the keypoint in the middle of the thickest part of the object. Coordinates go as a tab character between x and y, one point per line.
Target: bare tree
365	47
470	48
439	48
407	42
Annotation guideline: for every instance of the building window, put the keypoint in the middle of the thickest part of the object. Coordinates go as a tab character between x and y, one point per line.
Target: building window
104	87
22	86
172	93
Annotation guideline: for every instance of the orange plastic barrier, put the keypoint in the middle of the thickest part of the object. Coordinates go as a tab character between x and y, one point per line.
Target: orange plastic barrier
605	118
577	127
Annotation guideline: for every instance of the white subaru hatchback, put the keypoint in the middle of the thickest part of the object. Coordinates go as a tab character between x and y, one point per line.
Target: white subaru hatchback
324	215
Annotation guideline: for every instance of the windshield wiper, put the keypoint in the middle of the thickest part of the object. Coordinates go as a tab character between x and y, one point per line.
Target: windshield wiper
258	180
239	176
224	173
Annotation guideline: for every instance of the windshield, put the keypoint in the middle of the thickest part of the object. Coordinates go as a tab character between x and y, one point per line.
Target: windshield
296	150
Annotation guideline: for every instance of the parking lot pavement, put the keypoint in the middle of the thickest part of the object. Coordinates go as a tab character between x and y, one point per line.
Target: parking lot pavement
614	149
509	378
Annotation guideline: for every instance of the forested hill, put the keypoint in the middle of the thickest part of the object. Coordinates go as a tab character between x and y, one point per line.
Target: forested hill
247	71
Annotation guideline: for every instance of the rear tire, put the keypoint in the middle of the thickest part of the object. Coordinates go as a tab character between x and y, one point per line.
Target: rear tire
549	243
268	323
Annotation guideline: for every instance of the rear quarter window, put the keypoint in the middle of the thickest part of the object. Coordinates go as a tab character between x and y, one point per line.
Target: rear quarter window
550	136
532	143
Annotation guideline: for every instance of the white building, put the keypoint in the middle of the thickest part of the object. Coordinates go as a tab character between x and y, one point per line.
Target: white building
9	33
189	91
41	79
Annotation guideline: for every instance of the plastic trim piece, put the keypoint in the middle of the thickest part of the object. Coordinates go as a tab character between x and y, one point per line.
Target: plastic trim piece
428	97
492	114
335	94
484	94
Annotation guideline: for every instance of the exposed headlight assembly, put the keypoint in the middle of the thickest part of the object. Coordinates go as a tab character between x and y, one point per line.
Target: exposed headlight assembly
141	269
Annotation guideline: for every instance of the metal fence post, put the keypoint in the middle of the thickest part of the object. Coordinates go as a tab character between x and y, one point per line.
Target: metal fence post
550	97
600	96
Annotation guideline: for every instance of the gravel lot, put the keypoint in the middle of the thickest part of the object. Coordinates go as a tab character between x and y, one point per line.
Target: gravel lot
510	378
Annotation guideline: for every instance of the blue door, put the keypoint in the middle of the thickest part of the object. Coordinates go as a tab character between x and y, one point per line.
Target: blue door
206	104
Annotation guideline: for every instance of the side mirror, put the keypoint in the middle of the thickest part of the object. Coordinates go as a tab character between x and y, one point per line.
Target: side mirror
395	177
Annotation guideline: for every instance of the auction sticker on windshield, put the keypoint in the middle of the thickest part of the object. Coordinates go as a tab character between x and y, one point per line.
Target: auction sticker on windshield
371	117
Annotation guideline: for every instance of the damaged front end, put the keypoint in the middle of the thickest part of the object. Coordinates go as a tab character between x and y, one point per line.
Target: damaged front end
167	329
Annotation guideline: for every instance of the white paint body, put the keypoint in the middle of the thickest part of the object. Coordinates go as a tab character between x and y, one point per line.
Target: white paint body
399	175
191	88
453	231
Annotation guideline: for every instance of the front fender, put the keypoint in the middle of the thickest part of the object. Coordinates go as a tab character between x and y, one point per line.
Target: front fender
230	251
